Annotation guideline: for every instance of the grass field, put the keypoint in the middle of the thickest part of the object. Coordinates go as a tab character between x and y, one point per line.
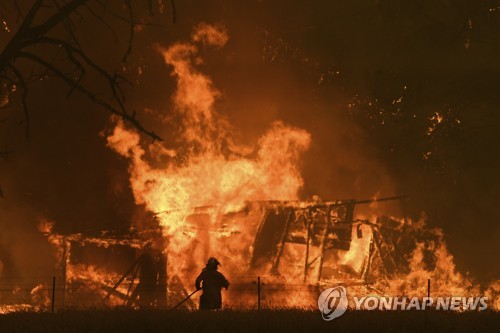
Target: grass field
248	321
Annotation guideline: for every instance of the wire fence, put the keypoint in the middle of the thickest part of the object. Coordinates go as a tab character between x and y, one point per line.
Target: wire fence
242	292
245	292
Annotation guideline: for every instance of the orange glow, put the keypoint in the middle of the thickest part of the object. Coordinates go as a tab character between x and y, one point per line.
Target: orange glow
220	176
210	193
215	171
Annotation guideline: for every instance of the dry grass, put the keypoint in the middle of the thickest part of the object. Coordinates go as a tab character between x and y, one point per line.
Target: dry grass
247	321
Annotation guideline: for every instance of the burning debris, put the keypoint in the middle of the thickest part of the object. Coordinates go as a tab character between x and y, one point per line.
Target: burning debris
212	196
312	244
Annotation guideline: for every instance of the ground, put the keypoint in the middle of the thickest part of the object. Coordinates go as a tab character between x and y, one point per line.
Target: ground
248	321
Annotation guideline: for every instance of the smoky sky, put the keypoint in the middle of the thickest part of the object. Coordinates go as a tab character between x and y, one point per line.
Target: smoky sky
336	69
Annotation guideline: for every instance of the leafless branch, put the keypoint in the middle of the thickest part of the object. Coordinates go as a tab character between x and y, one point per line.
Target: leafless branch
24	96
93	97
174	14
31	34
131	31
103	22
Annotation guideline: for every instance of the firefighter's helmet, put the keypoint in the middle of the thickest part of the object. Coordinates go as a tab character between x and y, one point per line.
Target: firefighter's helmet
213	262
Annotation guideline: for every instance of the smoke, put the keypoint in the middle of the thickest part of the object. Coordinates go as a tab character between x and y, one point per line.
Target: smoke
206	165
211	35
214	169
25	257
299	68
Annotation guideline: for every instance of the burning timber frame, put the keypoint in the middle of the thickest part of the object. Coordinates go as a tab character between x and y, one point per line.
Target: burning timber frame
327	225
323	226
149	268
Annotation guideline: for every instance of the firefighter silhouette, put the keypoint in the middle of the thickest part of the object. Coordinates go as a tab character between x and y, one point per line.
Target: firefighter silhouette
211	281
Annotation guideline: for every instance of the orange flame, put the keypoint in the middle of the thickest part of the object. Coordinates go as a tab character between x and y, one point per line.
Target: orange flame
220	175
201	196
215	171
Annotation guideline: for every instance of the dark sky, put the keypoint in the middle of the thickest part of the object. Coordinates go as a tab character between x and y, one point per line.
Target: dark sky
364	78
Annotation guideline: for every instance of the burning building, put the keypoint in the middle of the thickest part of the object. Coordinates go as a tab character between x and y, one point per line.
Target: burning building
209	195
287	244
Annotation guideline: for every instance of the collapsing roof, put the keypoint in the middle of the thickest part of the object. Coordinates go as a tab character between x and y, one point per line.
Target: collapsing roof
322	239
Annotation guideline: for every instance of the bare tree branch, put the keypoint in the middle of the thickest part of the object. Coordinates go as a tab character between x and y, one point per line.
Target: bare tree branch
31	34
24	87
100	19
131	31
62	14
174	13
93	97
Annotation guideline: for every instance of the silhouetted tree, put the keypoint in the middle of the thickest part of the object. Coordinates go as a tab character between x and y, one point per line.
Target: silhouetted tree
45	34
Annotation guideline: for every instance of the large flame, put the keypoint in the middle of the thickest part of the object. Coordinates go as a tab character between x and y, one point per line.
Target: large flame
209	193
209	168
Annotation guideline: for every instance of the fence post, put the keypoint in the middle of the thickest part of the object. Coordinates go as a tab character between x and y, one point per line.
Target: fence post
53	293
166	280
258	293
426	305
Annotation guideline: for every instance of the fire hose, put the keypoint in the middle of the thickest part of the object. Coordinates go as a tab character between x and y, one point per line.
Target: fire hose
185	299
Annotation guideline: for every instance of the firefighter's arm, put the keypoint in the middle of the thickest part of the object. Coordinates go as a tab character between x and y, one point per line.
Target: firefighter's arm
197	284
225	282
